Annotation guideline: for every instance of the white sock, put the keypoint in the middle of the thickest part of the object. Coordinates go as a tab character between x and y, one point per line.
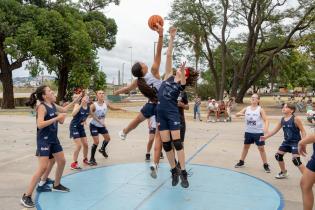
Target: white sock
41	183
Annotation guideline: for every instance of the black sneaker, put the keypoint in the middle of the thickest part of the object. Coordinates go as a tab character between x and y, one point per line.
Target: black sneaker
266	167
43	188
183	177
175	175
60	188
49	181
147	157
27	201
240	164
103	153
161	156
92	162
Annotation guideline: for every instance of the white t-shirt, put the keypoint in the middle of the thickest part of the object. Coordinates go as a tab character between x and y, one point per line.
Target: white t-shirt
253	120
152	81
213	107
100	113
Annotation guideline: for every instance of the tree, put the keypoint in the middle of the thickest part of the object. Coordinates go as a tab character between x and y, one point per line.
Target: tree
264	35
19	42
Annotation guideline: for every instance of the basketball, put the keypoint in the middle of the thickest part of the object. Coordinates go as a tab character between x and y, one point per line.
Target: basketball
153	20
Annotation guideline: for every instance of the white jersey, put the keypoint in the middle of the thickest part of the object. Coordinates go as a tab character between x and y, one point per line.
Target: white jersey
100	113
152	81
253	120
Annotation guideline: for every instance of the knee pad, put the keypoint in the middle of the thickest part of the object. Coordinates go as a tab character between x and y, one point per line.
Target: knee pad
178	144
279	157
167	146
296	161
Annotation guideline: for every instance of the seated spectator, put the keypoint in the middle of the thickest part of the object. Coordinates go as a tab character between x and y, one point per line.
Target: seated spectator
222	110
213	107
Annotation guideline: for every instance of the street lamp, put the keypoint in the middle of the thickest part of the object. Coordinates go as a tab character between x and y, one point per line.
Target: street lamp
123	73
130	62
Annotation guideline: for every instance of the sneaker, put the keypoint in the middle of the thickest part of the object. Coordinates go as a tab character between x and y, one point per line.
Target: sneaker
85	161
175	178
44	188
92	162
75	166
147	157
240	164
282	175
60	188
213	121
224	120
153	169
103	153
49	181
161	156
266	167
208	121
27	201
184	181
121	135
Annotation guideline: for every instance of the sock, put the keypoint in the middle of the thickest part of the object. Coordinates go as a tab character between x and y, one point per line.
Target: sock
104	145
93	150
41	183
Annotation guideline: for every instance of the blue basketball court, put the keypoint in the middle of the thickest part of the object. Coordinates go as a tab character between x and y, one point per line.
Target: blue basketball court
131	187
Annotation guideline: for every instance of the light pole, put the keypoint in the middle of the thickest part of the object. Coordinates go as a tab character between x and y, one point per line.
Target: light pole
130	62
123	74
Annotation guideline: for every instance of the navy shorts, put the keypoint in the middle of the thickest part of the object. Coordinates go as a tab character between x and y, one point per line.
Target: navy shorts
47	150
291	147
251	138
311	165
77	132
168	121
152	130
148	110
97	130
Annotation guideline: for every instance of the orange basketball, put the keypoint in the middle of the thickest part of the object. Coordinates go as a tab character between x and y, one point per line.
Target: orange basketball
153	20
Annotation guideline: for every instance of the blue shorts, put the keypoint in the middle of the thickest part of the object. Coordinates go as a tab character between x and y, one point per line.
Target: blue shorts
47	150
148	110
251	138
77	132
97	130
311	165
152	130
168	121
291	147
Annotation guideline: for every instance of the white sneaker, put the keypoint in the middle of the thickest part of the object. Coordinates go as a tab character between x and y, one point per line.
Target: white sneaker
208	120
153	169
121	135
282	175
213	121
225	120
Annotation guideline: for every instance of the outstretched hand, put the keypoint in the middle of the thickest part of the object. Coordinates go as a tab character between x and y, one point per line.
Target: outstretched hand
173	31
182	67
159	29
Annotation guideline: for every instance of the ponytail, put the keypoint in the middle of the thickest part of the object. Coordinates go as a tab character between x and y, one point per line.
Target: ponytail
192	76
37	95
145	89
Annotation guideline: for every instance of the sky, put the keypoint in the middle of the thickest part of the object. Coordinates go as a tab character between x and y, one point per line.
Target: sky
131	17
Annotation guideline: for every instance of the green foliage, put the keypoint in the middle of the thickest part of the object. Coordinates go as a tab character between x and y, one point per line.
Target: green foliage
98	81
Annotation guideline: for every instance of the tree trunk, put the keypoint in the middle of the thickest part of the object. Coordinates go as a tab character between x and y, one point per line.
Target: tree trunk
241	94
62	82
7	84
235	84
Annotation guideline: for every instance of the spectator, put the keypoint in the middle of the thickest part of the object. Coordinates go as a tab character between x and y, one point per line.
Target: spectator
197	107
222	110
229	107
213	107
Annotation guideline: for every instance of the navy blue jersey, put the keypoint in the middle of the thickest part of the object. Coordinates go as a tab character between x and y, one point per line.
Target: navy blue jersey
80	117
168	94
48	134
184	99
290	130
